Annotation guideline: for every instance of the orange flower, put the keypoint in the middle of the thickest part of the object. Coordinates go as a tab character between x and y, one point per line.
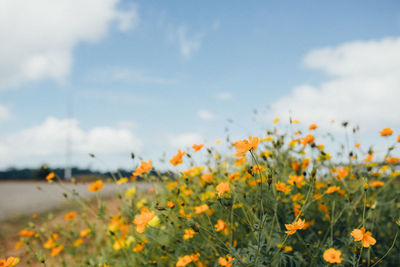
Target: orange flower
189	233
392	159
297	180
307	140
233	176
55	251
365	237
26	233
197	147
295	165
221	225
282	187
305	164
313	127
369	158
77	242
96	186
357	145
177	159
50	176
243	146
293	227
170	204
142	219
139	247
226	261
9	262
222	188
207	177
386	132
143	168
183	261
341	173
200	209
85	232
51	241
332	255
376	184
332	189
258	169
398	138
70	215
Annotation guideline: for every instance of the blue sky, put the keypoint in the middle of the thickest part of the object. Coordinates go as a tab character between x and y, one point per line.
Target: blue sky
151	77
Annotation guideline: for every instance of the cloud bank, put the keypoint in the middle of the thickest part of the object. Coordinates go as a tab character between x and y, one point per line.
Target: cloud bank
363	88
38	37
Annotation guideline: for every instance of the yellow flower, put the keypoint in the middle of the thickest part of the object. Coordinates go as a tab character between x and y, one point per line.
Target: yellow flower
130	192
122	180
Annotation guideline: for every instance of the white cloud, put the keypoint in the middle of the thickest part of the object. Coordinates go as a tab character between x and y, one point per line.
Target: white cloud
224	95
128	75
205	115
38	37
364	88
48	140
184	140
188	43
4	113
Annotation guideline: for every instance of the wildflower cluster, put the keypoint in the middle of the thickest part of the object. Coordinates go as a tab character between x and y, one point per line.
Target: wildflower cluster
279	200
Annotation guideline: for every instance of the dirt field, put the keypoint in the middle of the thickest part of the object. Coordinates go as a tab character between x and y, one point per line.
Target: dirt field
22	198
19	200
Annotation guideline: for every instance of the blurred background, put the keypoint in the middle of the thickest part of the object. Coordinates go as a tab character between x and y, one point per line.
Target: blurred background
114	77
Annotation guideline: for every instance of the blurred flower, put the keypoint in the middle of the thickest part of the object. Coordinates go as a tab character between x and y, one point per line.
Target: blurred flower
85	232
55	251
313	127
282	187
143	168
222	188
9	262
197	147
243	146
96	186
70	215
26	233
177	159
221	225
183	261
386	132
189	233
50	176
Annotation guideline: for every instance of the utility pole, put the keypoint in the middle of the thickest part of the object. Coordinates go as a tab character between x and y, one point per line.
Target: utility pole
68	151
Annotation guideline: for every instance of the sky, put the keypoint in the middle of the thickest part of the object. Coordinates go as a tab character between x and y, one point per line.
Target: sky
150	77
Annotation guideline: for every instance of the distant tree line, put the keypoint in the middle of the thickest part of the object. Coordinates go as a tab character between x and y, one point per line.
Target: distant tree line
39	174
